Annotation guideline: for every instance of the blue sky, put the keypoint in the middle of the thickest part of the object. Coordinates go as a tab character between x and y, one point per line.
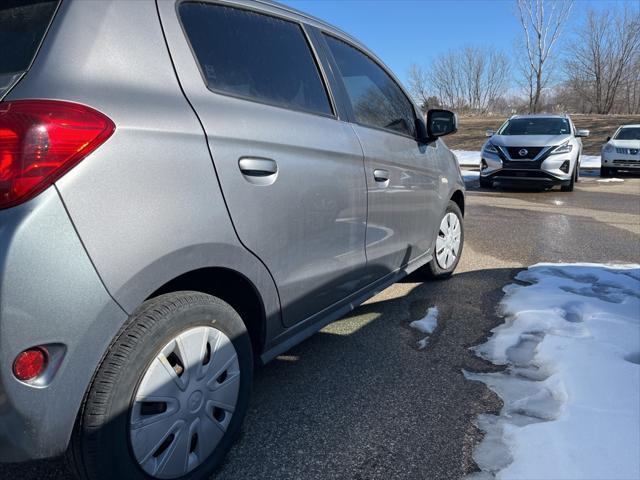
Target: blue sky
403	32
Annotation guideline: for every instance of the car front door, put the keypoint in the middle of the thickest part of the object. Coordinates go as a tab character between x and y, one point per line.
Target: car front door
402	175
292	174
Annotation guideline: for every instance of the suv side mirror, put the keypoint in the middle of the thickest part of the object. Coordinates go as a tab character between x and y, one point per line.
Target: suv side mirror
441	122
608	138
489	133
582	133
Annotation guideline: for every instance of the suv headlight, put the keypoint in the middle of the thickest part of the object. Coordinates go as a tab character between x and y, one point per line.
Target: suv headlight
564	148
490	148
608	148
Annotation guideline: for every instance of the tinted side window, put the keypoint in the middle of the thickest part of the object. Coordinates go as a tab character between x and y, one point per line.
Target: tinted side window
252	55
376	99
22	26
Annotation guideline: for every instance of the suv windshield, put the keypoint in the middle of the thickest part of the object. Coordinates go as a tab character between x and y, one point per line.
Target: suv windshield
23	24
628	133
536	126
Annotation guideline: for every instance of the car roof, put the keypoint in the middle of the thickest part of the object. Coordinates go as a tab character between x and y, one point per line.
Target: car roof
541	115
634	125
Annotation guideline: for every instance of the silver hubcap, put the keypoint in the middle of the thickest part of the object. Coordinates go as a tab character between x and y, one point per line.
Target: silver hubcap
185	402
448	241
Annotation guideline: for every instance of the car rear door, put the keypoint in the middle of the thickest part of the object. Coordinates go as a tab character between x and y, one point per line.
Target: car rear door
402	175
291	172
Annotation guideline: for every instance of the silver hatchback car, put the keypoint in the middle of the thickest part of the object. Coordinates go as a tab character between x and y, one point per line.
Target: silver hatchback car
188	189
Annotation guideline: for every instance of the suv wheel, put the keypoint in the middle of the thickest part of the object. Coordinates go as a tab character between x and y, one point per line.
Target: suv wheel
448	245
605	172
574	175
170	395
485	182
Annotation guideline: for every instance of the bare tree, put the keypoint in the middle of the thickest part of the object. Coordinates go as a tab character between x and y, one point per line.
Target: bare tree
471	79
418	85
542	23
603	67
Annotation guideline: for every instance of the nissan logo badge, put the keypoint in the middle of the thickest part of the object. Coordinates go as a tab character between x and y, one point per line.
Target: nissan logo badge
523	152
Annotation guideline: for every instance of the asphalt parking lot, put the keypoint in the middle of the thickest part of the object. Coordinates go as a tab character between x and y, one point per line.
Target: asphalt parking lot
359	400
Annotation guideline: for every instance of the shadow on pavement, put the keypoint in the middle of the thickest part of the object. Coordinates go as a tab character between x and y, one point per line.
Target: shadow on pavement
360	400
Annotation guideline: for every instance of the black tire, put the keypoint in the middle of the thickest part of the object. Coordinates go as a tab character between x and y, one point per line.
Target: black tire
605	172
100	447
570	186
577	176
485	182
433	270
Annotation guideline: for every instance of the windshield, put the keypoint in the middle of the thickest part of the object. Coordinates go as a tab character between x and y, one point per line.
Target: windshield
628	133
536	126
23	24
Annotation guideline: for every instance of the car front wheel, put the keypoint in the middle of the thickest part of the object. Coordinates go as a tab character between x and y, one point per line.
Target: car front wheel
170	395
448	244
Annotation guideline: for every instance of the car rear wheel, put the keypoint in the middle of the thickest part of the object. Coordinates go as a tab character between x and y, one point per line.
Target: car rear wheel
170	395
448	245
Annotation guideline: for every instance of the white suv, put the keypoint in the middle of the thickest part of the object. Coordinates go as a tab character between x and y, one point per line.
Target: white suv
536	149
622	151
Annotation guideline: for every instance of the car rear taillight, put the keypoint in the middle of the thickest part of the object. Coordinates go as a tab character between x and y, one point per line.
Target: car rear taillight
41	140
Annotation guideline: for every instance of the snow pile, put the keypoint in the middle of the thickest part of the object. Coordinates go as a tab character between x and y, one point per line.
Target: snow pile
590	161
469	158
571	387
426	325
610	180
470	175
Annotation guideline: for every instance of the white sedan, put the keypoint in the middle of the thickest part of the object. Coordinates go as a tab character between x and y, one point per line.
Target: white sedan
622	151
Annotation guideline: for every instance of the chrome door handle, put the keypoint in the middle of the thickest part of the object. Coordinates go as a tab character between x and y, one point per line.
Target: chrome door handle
381	175
257	167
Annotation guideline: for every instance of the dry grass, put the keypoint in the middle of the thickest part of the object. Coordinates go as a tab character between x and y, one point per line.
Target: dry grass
471	132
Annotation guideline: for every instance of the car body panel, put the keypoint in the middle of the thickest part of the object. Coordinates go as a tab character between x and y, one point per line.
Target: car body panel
402	210
146	207
49	294
178	221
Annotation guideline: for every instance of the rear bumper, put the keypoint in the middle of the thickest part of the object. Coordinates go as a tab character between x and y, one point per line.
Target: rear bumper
50	294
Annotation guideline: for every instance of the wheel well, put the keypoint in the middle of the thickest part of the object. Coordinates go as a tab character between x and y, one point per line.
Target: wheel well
458	197
233	288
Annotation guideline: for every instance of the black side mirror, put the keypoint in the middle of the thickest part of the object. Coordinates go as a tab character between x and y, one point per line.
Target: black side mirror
441	122
608	138
421	131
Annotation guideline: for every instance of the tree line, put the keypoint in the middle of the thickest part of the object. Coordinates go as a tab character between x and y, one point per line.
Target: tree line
594	69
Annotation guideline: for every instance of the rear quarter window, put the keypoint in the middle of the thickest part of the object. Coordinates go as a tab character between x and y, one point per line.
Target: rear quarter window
23	24
254	56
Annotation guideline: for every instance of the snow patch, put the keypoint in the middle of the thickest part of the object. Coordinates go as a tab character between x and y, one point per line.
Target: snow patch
571	386
426	325
469	158
590	161
609	180
470	175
